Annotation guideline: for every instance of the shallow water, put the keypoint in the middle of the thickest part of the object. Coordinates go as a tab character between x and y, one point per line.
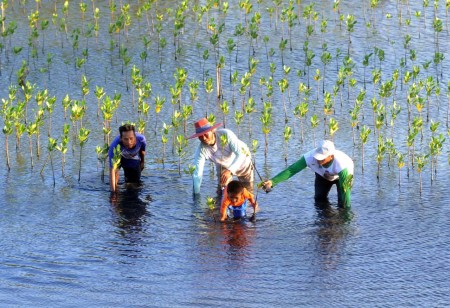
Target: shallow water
71	244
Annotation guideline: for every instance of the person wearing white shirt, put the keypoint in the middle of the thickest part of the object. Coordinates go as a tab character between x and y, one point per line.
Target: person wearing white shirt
230	155
331	166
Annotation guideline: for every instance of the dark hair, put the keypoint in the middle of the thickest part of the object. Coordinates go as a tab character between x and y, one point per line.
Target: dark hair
235	187
126	128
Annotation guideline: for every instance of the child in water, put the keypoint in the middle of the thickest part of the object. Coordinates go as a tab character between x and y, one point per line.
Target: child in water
236	197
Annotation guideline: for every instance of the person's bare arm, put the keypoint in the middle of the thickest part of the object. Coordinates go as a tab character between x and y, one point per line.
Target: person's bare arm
113	178
142	155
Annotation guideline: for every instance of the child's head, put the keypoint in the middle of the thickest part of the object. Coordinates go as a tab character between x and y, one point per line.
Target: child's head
234	191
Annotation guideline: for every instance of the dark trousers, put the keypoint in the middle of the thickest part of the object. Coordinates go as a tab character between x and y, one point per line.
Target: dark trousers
132	175
322	188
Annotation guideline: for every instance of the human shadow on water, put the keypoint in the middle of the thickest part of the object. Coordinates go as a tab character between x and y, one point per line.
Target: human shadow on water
129	206
332	227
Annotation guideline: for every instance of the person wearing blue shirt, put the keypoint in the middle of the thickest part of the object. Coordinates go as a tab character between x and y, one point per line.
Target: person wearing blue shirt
132	151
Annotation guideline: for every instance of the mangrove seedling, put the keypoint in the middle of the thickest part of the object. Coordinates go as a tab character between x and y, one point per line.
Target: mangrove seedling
400	165
189	170
333	127
436	144
266	121
115	162
51	146
284	85
102	155
300	112
287	134
421	162
181	144
186	112
7	130
83	136
63	145
159	102
225	110
99	93
211	203
363	135
208	88
238	117
164	139
381	150
249	108
314	120
31	130
66	104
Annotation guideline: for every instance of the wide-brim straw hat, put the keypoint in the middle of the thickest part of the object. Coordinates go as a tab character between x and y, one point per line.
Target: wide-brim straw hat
325	149
203	126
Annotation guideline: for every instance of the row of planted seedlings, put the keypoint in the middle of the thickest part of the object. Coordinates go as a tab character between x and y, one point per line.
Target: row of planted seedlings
15	115
210	17
378	109
380	116
29	112
121	22
269	84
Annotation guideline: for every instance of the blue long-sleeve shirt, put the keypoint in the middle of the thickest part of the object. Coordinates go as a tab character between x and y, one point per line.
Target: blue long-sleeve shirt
130	157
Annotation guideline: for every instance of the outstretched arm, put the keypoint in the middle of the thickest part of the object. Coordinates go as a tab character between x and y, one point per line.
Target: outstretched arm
143	143
142	156
286	173
197	176
224	205
249	196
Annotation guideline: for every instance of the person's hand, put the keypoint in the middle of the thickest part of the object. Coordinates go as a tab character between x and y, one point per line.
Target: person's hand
225	176
223	219
142	165
114	198
267	186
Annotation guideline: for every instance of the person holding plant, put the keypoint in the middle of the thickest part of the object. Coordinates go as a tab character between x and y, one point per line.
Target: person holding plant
331	167
131	153
230	155
236	198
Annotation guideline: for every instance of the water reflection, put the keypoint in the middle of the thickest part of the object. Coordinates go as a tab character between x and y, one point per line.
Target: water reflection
237	238
237	235
332	227
232	239
129	207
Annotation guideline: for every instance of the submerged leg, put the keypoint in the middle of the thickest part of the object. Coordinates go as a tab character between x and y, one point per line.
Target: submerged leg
322	188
